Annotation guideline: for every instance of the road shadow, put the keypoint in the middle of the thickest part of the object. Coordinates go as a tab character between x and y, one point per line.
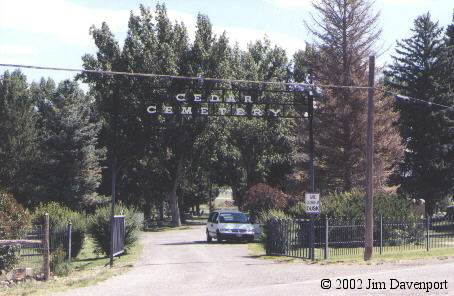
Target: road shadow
184	243
203	242
91	259
194	262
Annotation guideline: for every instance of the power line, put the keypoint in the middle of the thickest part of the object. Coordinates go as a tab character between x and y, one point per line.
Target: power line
403	98
198	78
292	84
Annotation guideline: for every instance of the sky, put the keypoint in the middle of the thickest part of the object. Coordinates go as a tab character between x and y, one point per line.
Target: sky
56	32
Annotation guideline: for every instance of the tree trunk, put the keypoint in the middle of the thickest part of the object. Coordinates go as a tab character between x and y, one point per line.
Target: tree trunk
147	209
160	207
173	198
182	210
238	198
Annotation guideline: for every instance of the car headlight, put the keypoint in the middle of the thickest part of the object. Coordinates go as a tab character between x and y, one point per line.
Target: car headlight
224	230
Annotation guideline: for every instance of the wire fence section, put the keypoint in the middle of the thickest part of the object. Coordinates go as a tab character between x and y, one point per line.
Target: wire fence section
32	247
336	238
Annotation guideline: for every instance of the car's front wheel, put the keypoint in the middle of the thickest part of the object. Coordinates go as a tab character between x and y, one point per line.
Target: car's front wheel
209	238
218	236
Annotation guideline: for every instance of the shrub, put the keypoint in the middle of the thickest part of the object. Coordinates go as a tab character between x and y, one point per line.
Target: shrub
350	206
268	219
59	216
262	197
58	263
298	210
14	219
267	215
9	257
99	228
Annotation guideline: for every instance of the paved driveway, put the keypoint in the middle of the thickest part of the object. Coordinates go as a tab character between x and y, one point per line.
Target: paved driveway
181	263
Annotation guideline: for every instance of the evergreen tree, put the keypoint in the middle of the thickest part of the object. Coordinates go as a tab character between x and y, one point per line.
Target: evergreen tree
70	158
418	72
18	134
346	32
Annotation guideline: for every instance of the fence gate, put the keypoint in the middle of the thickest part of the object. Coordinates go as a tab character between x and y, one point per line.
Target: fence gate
118	243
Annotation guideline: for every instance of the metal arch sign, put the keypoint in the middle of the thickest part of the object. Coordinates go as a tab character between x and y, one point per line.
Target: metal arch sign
229	105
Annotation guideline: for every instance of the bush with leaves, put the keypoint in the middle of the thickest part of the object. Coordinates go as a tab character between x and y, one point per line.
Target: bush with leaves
347	208
298	210
99	227
58	263
350	205
9	257
14	219
262	197
59	216
269	218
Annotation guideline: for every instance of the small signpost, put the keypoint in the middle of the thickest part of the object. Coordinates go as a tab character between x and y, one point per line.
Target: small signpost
312	201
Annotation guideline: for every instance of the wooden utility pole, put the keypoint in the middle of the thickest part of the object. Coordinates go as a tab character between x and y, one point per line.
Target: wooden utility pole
369	202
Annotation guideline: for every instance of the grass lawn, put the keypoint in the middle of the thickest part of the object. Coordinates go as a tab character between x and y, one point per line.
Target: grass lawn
356	255
87	269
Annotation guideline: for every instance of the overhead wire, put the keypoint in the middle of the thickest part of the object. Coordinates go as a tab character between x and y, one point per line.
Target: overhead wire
200	78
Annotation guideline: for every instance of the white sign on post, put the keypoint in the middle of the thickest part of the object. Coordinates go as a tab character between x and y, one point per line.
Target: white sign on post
312	201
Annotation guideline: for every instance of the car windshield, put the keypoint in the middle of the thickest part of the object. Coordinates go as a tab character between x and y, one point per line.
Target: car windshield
233	218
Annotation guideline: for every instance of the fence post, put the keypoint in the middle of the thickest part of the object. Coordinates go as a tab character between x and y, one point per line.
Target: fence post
46	255
427	232
326	237
381	234
69	232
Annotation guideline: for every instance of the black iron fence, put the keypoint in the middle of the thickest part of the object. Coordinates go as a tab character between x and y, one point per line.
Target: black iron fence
333	237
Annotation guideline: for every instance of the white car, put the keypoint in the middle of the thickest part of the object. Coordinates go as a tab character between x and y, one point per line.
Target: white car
229	225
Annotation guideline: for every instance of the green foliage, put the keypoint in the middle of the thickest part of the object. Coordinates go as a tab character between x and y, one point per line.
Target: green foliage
14	219
298	210
350	205
18	145
269	218
9	257
268	215
160	148
99	227
49	148
59	217
423	69
70	163
59	264
411	234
